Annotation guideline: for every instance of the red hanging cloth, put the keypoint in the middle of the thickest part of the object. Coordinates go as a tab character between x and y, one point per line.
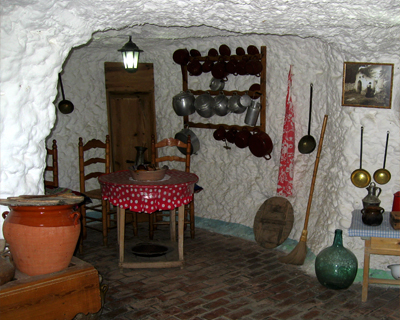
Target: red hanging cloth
285	177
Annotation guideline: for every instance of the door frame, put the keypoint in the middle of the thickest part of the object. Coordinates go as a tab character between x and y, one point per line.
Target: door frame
119	81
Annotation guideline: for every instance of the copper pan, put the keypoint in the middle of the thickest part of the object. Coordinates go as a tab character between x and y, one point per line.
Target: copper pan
360	177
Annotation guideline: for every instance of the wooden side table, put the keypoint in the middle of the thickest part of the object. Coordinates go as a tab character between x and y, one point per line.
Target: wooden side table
379	240
58	295
380	246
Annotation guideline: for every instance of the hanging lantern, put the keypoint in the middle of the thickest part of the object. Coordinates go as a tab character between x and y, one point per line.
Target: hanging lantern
130	54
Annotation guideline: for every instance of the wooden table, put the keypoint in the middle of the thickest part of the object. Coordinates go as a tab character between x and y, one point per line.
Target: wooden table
174	191
58	295
380	240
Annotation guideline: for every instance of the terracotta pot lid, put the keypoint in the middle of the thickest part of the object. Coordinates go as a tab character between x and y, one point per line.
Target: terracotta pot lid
43	200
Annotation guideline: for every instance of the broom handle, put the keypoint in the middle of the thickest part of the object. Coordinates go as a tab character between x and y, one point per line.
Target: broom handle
321	140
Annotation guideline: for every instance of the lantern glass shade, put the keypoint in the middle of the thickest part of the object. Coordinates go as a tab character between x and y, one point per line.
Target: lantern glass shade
130	54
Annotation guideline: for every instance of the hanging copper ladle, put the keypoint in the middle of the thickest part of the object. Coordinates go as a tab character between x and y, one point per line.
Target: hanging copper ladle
382	176
360	177
65	106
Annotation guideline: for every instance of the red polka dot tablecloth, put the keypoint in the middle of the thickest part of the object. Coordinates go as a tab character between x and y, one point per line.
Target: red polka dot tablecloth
122	190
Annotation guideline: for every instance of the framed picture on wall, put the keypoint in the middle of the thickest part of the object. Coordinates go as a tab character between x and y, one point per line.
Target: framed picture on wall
367	84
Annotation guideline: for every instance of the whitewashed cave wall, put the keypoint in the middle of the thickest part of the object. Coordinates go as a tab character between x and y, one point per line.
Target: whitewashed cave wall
235	182
37	37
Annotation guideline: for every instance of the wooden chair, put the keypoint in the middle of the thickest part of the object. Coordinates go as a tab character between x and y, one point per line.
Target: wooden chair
156	218
91	166
53	168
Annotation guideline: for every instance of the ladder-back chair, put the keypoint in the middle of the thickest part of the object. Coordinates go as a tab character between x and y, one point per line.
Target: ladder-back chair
53	168
156	218
94	161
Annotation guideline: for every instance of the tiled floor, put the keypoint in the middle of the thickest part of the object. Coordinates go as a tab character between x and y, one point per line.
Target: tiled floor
226	277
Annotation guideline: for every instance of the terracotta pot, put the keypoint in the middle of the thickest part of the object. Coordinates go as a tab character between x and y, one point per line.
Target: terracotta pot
181	56
195	53
194	67
42	239
213	52
255	91
224	50
219	134
240	51
252	50
254	67
231	66
242	138
241	67
260	145
207	66
218	70
372	216
230	135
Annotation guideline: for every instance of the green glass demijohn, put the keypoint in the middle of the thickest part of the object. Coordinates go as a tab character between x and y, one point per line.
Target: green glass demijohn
335	266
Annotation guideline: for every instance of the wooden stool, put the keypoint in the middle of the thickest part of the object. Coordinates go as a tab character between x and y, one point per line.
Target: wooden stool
382	240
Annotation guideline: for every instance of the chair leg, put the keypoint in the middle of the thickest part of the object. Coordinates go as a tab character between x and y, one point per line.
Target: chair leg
108	215
104	220
151	225
80	245
135	223
172	225
192	219
186	217
81	239
83	217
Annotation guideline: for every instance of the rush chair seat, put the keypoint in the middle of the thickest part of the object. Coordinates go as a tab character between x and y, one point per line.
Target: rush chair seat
53	168
94	161
156	218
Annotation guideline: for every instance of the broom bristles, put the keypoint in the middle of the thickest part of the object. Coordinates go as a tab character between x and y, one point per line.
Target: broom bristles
298	254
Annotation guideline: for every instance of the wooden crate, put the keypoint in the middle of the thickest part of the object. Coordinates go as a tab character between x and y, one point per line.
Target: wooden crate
58	295
395	219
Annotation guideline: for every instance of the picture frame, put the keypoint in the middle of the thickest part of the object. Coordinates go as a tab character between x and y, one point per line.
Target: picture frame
367	84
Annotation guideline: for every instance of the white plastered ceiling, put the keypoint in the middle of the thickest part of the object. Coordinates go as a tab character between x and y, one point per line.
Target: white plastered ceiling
41	38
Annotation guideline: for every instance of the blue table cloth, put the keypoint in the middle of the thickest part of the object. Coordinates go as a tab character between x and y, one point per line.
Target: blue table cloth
359	229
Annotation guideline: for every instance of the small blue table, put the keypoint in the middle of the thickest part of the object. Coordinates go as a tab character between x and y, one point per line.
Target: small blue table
382	240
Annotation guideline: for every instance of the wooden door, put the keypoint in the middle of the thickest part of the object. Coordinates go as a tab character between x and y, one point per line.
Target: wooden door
131	112
130	127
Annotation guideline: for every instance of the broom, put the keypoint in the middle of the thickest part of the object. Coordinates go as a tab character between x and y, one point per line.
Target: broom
298	254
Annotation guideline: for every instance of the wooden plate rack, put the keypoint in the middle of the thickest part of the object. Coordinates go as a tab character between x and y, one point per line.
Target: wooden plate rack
263	99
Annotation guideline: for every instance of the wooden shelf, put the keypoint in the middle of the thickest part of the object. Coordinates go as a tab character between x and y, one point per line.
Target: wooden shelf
216	126
261	94
255	94
227	58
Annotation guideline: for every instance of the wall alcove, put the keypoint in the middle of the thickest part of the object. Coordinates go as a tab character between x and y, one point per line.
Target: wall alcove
130	111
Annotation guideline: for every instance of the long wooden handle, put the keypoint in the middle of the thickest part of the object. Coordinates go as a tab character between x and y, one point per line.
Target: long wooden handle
321	140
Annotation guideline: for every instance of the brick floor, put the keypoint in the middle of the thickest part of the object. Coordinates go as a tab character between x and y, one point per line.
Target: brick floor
226	278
